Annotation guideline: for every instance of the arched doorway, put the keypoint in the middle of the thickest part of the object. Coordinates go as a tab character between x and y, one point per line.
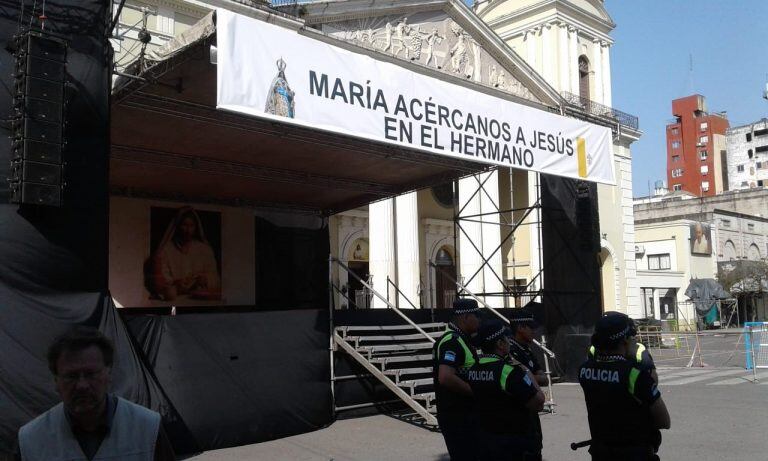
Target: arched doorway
357	260
445	274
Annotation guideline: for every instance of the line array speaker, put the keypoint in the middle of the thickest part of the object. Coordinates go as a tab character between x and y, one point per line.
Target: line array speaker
37	163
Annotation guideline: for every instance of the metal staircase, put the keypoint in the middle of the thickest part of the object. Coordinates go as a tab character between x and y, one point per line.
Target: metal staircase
398	358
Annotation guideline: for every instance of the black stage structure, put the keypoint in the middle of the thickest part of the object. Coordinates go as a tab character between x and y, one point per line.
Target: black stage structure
220	376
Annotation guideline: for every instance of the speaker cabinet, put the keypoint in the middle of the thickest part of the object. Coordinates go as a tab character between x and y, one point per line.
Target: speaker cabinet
39	127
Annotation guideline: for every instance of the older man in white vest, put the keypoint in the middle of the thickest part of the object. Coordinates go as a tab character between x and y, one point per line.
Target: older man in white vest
89	423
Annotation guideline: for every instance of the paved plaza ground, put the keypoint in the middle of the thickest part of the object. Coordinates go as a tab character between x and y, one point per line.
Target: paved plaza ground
718	413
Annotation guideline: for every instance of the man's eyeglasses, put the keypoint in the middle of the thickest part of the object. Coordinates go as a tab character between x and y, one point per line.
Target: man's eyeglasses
72	378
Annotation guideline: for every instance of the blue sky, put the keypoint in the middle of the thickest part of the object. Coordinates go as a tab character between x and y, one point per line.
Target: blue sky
728	40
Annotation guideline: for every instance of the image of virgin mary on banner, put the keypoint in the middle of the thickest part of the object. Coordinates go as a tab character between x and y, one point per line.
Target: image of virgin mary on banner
280	100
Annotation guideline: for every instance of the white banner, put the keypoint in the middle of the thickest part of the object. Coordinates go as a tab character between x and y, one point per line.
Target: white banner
268	71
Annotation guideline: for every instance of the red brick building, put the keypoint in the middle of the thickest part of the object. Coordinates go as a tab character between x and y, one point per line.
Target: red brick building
696	148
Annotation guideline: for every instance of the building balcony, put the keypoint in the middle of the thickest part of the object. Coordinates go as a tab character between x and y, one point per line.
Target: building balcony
596	109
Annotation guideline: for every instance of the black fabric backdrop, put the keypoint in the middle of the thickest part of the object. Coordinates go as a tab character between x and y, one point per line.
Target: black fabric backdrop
571	244
242	378
39	299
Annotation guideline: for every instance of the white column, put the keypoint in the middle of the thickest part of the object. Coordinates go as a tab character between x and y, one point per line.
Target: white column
573	58
491	233
381	237
606	74
530	47
535	222
407	235
470	235
596	66
563	61
548	55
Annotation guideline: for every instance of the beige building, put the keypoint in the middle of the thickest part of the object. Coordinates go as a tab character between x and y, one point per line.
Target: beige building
568	44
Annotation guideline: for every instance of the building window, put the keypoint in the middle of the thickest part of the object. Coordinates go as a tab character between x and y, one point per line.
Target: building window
704	186
750	154
703	139
675	158
675	144
751	226
744	184
726	222
761	149
740	168
762	132
583	77
704	169
760	183
749	137
659	262
704	126
677	172
759	165
675	131
703	155
677	187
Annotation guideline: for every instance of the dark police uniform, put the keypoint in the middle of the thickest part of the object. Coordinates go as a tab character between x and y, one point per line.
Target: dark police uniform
619	394
454	412
639	355
508	430
523	354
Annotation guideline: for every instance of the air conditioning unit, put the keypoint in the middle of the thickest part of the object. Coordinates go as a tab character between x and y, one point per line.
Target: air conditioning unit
639	250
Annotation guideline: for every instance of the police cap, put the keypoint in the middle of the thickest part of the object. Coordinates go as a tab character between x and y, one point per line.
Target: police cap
611	329
491	330
523	316
463	306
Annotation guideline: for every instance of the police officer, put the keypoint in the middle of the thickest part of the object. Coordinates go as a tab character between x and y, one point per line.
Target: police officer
523	327
637	351
624	405
507	401
452	355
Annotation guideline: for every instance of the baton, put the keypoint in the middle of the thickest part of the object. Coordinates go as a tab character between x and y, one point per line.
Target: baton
575	446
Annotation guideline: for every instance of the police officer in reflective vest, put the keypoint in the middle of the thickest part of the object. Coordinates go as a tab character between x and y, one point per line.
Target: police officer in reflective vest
624	405
507	401
452	355
637	351
523	327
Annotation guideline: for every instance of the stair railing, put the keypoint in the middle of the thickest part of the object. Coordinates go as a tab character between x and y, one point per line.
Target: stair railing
382	298
547	352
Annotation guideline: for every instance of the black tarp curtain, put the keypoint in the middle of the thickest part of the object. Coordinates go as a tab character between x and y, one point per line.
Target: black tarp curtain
218	379
571	248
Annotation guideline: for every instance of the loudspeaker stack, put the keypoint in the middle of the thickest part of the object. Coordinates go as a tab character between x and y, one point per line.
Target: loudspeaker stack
37	163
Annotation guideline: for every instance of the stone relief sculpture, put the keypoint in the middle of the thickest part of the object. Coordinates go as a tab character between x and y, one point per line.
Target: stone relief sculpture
434	38
446	47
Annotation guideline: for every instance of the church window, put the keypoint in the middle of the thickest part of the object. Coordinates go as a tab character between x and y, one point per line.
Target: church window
583	77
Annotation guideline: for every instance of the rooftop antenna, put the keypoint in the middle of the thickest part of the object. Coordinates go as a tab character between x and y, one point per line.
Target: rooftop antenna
690	73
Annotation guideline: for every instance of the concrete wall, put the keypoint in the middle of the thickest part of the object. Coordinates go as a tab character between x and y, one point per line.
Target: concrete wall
129	248
738	156
749	202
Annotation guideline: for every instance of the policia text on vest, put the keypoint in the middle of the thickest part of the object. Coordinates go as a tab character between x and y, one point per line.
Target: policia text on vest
624	405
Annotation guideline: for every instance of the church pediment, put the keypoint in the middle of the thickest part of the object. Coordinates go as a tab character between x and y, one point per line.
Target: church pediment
451	44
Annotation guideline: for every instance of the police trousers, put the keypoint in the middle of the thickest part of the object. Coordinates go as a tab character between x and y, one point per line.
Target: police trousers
504	447
460	435
613	453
